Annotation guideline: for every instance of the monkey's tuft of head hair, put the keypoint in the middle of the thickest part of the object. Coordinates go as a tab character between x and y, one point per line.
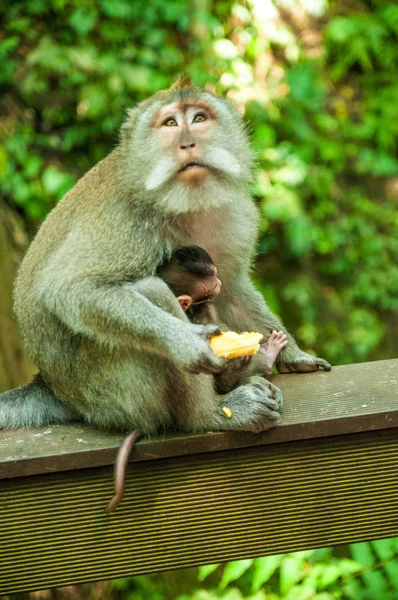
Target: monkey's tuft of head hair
182	81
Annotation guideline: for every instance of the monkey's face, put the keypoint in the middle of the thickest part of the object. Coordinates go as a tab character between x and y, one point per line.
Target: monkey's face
205	289
184	132
200	290
187	148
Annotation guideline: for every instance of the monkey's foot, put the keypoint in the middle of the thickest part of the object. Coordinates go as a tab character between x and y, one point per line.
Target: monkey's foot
252	407
297	361
275	343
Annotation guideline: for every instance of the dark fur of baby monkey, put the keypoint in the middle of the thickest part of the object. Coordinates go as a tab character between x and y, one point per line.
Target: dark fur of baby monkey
193	278
111	342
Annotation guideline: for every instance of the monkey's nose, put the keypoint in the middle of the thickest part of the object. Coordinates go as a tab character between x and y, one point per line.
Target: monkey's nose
187	145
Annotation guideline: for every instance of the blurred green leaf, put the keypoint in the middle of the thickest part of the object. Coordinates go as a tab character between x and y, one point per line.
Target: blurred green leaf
119	9
206	570
362	553
376	584
341	29
391	569
304	86
234	570
384	549
56	182
263	570
93	101
3	161
291	571
83	21
32	166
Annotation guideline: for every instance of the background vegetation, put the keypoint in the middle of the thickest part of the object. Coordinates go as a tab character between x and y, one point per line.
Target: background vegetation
319	84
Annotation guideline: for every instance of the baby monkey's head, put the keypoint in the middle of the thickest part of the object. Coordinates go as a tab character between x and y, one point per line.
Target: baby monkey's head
192	276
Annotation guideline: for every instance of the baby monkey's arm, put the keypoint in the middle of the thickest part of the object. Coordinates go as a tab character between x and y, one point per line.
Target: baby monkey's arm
238	370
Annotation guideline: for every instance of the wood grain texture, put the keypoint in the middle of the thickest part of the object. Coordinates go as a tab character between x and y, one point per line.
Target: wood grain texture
327	475
198	509
349	399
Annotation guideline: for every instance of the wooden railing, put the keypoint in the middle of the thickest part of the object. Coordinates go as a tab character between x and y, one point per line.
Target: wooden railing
327	475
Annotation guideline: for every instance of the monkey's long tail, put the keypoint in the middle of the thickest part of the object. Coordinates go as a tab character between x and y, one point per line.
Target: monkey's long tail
32	405
120	470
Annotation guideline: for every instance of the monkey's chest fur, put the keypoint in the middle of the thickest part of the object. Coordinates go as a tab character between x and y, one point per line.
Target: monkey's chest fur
221	232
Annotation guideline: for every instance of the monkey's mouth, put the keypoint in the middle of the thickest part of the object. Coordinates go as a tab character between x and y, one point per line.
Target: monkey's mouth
192	165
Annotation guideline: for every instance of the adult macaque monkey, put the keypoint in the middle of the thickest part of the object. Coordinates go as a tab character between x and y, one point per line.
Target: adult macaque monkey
107	354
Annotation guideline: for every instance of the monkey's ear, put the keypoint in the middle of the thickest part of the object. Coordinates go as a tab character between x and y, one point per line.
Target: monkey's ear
185	302
182	81
128	124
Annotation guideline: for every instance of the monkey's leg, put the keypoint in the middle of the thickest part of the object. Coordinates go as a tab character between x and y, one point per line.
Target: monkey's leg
33	405
231	375
238	370
255	407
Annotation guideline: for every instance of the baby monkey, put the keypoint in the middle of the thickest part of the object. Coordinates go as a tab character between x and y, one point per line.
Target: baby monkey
193	277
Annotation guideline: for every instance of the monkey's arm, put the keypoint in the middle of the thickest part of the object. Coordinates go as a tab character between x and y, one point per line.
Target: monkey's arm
120	314
243	308
237	371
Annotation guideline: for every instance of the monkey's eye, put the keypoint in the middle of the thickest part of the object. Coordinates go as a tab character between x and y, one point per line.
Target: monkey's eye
199	118
170	122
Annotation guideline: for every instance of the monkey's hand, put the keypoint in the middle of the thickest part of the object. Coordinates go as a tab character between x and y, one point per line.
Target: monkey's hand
294	360
195	354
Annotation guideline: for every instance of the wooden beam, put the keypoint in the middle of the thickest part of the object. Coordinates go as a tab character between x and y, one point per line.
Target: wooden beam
327	475
349	399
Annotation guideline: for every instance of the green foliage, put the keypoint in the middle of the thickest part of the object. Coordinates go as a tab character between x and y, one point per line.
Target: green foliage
364	571
234	570
320	91
325	133
68	71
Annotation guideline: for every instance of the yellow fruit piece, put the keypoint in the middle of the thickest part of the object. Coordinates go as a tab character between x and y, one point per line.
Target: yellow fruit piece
227	411
231	344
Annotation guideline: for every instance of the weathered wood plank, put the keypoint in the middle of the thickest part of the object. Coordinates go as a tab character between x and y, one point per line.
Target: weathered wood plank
349	399
198	509
200	499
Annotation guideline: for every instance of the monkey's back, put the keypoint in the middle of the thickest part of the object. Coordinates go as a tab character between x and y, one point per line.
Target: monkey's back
38	326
